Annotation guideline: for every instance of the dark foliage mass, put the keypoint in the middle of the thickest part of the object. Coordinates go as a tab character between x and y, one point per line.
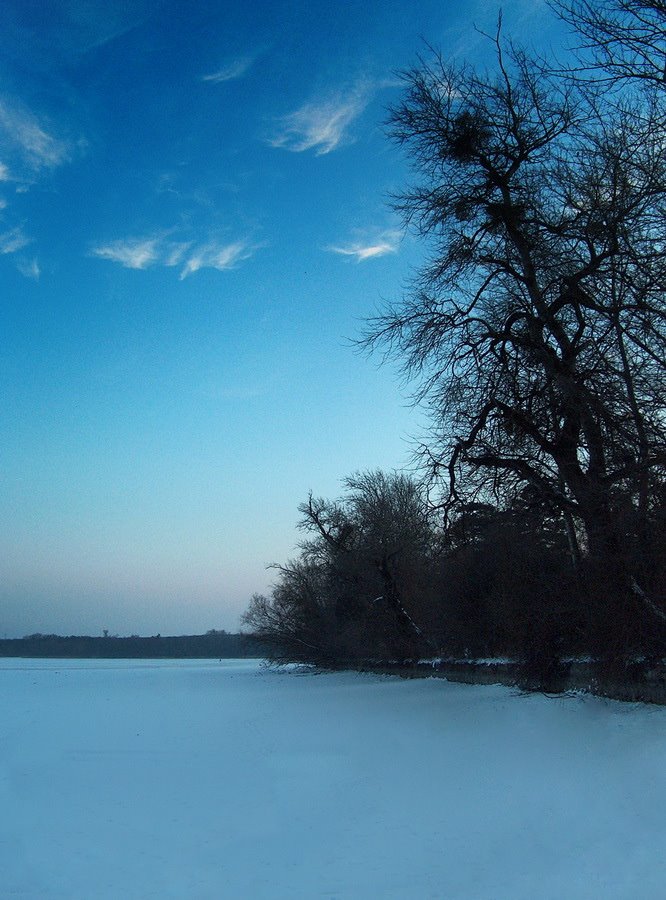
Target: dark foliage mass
362	585
378	581
535	334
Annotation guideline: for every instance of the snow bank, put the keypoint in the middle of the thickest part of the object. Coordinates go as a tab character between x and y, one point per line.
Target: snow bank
192	780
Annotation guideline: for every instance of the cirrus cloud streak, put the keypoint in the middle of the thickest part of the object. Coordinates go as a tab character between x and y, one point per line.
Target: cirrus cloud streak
23	138
361	250
321	125
142	253
133	253
234	69
216	256
13	240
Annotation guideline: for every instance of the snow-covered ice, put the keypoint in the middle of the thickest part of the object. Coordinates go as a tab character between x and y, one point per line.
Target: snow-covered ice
199	779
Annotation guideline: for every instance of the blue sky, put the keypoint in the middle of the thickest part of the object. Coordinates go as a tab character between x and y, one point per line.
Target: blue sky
193	225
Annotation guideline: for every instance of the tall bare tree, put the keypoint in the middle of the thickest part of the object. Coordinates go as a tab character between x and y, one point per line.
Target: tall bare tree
536	331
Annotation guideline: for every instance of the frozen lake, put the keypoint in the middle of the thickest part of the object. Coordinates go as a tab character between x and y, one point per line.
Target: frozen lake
205	779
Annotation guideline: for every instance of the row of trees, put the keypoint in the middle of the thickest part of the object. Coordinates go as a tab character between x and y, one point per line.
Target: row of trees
379	578
536	335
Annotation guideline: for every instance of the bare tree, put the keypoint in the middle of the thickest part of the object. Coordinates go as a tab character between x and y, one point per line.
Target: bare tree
362	584
623	40
536	331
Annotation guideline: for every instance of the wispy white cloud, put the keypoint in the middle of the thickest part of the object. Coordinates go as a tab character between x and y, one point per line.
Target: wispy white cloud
21	134
360	250
28	151
321	125
175	253
140	253
29	268
217	256
13	240
133	253
234	69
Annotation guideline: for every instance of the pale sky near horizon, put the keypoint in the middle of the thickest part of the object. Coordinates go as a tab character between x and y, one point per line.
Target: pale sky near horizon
193	225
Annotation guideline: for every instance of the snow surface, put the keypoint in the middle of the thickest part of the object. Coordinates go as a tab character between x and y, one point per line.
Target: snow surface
201	779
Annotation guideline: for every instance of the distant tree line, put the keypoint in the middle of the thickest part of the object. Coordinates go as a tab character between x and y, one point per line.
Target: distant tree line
214	644
535	335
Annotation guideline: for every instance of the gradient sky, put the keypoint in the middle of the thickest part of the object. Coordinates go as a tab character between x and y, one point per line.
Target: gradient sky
193	224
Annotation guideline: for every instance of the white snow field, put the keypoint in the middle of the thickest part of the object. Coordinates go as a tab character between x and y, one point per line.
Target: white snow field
207	779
